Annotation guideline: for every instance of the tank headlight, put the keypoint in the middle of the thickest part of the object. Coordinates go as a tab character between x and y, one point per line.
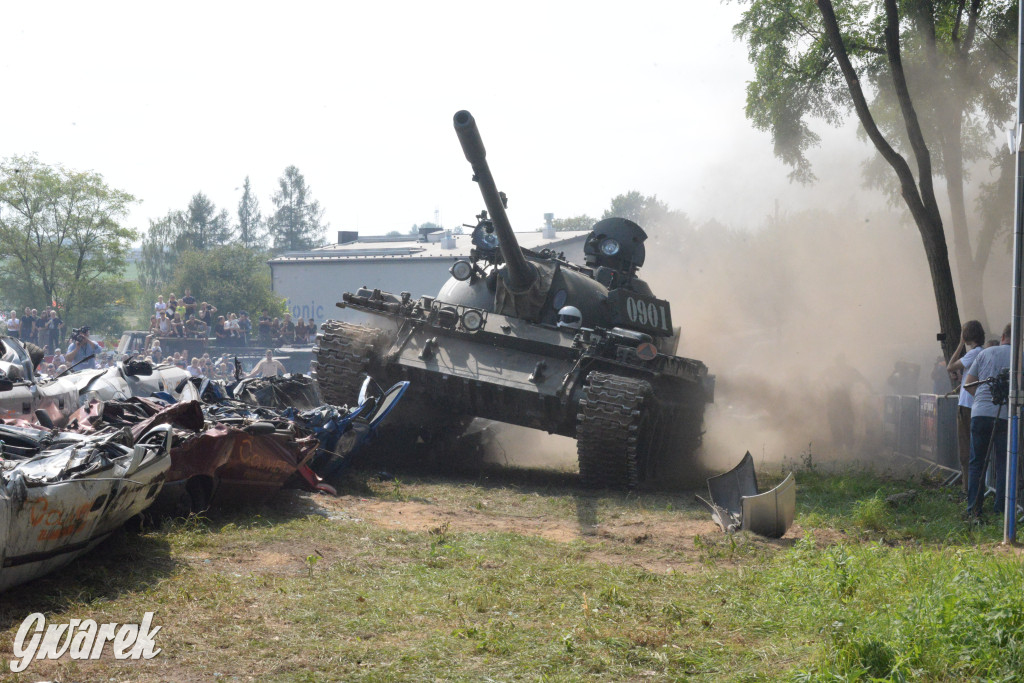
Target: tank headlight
472	319
461	270
609	247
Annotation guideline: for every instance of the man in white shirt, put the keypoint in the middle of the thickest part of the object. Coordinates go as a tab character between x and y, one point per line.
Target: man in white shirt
972	340
268	367
988	425
14	325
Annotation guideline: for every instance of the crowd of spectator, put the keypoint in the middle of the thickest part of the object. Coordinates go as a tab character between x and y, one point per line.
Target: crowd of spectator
44	329
184	318
187	318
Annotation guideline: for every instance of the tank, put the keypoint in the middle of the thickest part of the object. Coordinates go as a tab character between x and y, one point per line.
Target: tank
528	338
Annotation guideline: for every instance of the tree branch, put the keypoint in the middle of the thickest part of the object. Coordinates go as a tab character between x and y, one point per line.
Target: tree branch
955	35
917	142
972	27
860	105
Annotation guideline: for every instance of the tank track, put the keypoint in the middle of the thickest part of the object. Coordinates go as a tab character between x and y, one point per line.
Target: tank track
341	358
609	429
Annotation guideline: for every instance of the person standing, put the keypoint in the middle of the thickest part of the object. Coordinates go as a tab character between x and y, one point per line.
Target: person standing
244	327
82	347
189	302
988	425
268	367
972	339
53	329
206	312
263	327
14	325
28	326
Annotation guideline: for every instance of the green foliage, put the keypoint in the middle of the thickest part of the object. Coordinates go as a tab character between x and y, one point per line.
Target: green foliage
648	212
203	227
581	222
296	222
232	278
199	227
251	229
948	69
872	513
928	82
61	235
159	252
415	229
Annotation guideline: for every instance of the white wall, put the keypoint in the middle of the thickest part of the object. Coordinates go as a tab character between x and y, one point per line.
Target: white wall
312	288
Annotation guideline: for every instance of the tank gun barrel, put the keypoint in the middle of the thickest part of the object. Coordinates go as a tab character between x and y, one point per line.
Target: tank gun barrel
521	274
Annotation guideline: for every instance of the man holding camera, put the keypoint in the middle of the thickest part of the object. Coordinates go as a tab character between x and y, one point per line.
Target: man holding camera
988	423
82	347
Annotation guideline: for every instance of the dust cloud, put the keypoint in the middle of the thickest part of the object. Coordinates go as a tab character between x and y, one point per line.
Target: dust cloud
802	321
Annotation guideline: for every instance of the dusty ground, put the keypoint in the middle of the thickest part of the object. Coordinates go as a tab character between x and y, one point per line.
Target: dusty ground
661	541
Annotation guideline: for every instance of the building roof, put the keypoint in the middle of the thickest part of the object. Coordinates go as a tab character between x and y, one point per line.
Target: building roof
370	247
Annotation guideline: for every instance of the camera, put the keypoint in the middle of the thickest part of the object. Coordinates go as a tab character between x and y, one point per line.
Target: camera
1000	385
78	334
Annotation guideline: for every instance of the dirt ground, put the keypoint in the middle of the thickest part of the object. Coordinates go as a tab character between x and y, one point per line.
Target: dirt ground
656	542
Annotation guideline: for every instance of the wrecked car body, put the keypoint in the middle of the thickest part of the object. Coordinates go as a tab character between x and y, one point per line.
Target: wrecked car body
212	462
26	396
63	493
226	452
126	379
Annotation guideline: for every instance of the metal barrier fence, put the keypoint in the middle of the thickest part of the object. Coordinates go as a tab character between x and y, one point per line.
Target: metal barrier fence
923	428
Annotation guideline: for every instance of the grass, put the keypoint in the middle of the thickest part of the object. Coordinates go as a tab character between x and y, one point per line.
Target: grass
288	593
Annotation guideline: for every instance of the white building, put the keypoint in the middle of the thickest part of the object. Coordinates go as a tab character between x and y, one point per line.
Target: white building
313	281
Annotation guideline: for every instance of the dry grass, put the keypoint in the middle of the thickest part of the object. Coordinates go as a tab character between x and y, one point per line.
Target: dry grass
511	578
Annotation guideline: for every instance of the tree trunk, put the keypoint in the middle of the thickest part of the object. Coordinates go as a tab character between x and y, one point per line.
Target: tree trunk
919	196
968	272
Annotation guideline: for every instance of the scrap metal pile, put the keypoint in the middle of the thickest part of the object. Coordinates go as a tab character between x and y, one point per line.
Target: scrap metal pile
82	454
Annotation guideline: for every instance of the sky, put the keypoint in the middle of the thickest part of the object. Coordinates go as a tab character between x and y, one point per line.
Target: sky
576	102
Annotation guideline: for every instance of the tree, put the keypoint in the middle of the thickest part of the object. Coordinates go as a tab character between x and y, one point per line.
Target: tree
159	251
295	225
415	229
199	227
581	222
61	232
251	231
938	92
232	278
649	213
204	227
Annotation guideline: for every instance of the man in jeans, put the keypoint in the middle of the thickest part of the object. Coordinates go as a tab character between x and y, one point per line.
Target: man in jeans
988	426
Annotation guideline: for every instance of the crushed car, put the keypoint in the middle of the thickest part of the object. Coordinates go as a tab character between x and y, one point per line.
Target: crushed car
61	493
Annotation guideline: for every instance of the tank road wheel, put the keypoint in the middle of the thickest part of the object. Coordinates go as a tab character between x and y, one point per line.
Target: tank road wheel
340	360
612	431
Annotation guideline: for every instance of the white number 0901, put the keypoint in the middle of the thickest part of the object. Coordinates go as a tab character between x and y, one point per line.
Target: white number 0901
647	313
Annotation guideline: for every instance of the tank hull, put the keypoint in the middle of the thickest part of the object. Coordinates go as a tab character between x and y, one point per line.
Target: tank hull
526	374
